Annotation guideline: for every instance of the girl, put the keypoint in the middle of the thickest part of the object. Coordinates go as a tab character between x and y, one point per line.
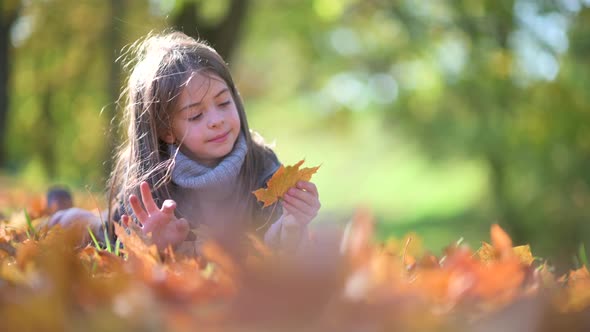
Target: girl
190	162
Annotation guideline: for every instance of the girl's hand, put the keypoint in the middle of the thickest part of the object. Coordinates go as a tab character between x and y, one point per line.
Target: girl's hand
302	203
166	229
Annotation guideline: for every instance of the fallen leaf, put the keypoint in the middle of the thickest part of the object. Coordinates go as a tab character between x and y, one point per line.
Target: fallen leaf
500	240
136	248
488	253
524	254
356	240
579	274
283	179
577	293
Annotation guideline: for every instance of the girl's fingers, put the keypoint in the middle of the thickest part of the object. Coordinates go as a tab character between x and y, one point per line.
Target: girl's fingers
125	220
168	207
309	187
298	203
305	196
182	226
147	198
138	209
174	233
302	216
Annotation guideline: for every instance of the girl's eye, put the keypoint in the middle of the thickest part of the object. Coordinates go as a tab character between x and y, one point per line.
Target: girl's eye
195	117
225	103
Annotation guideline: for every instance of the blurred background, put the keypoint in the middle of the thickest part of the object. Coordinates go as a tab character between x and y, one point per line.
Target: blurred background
441	116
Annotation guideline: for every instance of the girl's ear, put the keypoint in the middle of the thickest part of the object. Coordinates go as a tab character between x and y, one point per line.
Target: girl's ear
168	137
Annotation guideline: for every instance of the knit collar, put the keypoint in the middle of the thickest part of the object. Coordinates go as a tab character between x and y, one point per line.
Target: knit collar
188	173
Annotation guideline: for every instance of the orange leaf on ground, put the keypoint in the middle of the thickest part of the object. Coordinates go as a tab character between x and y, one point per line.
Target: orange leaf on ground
577	293
136	248
500	239
282	180
580	274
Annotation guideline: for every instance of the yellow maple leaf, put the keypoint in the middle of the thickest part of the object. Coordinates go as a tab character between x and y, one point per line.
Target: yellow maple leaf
283	179
487	253
524	254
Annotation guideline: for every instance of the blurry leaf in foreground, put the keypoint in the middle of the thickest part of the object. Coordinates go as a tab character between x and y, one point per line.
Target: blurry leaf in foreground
577	293
500	240
524	254
487	253
136	248
356	241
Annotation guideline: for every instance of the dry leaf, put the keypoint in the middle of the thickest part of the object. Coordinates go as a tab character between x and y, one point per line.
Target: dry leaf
136	248
577	293
524	254
488	253
500	239
284	179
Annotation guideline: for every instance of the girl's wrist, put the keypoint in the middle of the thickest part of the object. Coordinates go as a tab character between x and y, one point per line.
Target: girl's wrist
291	234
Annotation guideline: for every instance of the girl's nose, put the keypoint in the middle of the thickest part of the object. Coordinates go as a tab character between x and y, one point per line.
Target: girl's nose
215	121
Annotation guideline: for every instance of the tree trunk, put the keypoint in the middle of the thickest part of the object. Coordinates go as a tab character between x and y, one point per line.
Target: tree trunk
507	215
6	22
113	46
47	132
224	36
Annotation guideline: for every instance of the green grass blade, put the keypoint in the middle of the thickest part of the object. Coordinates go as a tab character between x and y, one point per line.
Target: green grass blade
117	245
582	255
107	240
30	225
96	244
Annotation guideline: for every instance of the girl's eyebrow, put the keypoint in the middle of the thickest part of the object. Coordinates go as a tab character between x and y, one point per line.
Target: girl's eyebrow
199	103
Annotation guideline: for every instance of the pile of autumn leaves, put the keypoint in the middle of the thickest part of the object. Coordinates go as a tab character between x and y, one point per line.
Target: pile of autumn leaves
342	282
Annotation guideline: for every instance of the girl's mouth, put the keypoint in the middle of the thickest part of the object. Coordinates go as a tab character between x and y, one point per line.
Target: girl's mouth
219	139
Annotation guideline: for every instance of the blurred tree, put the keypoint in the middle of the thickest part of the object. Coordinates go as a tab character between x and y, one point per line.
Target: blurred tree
67	71
502	82
510	105
66	82
9	12
113	43
219	22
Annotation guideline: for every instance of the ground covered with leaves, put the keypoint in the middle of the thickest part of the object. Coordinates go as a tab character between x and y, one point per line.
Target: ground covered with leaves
343	281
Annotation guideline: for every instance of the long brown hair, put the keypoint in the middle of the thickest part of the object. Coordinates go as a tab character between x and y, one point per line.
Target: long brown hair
160	66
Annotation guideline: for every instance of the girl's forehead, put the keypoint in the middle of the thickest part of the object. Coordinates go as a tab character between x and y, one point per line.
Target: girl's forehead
203	79
200	86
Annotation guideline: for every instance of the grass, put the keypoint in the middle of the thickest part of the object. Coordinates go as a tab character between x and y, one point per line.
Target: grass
107	245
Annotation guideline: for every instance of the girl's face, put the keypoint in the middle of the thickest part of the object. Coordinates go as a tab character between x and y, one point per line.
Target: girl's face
206	123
